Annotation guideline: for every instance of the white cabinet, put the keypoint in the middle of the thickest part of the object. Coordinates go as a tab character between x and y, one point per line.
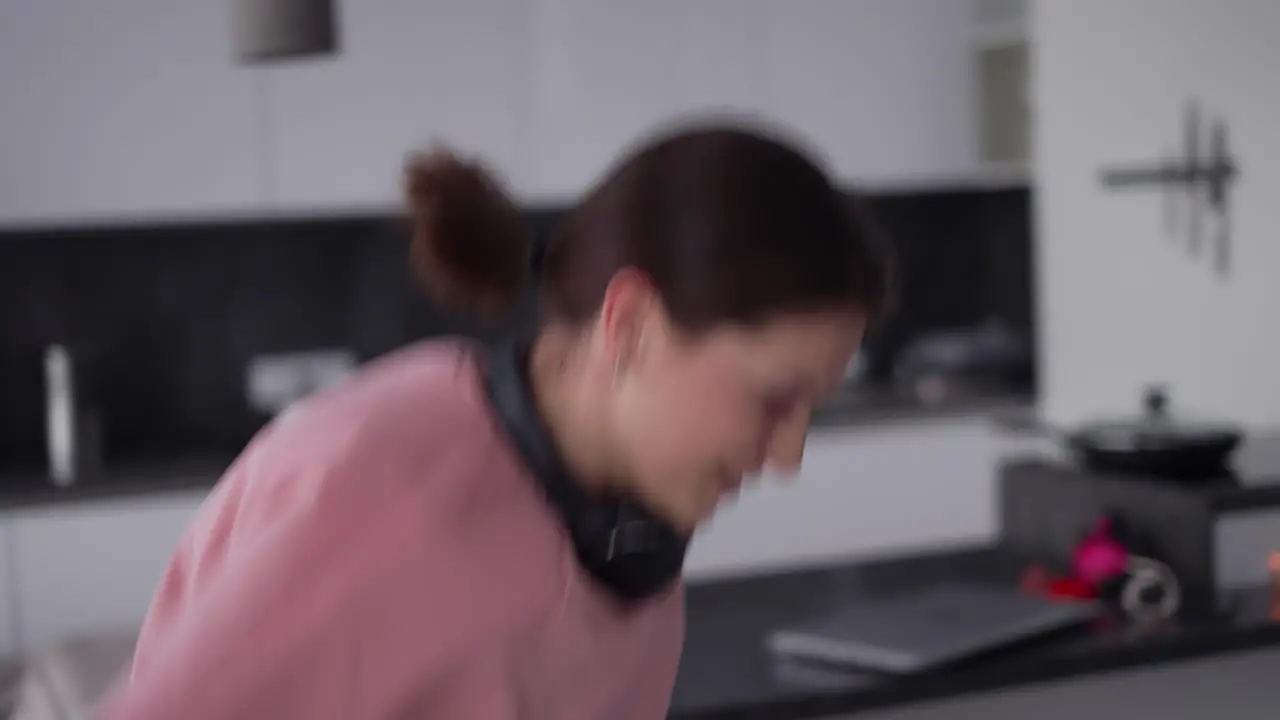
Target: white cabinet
137	109
862	491
123	110
8	587
882	88
408	73
607	74
93	566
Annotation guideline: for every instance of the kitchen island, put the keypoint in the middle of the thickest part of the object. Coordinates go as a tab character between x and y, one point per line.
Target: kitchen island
86	558
109	537
1109	670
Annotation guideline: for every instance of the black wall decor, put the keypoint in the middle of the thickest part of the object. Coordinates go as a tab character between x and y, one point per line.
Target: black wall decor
1197	184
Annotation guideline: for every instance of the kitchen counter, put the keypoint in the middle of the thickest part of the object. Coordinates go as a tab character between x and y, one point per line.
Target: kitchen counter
872	404
726	674
117	481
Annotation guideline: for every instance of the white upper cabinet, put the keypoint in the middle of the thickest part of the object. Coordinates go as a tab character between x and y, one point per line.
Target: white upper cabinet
122	110
136	109
409	73
882	88
608	73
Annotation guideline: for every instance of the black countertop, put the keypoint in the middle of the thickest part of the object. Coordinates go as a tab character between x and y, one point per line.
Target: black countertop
726	674
871	404
118	481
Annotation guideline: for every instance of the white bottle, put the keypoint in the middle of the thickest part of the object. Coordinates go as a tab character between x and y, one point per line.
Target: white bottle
60	411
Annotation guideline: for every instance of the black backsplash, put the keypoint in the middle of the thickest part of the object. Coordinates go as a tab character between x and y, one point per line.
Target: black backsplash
963	257
167	317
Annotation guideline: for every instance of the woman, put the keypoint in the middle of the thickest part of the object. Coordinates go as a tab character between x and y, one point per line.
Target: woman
459	533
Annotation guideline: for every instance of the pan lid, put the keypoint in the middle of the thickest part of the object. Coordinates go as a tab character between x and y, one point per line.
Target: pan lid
1156	429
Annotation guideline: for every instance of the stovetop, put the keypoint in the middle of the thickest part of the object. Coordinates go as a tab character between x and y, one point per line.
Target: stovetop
1253	481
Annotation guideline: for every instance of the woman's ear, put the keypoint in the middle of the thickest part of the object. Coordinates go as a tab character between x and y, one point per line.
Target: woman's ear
626	314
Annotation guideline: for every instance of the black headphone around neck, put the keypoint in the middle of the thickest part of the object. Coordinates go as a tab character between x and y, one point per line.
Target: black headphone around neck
625	548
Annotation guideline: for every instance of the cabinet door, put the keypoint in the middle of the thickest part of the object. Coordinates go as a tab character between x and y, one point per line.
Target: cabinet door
883	89
607	74
123	110
409	73
861	491
92	567
8	617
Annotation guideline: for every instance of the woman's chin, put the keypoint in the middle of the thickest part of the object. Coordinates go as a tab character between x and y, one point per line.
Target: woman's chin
693	511
709	507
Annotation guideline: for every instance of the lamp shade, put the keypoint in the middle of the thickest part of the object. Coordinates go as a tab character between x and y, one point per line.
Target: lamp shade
266	30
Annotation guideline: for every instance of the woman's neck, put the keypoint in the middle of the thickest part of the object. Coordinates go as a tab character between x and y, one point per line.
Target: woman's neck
573	414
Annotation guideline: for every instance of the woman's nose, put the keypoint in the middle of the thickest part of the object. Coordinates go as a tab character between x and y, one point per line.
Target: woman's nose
786	444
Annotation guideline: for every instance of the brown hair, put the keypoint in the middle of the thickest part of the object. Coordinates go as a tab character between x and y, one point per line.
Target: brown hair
729	224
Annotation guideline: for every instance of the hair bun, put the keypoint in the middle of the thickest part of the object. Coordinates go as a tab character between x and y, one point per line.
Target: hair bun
470	242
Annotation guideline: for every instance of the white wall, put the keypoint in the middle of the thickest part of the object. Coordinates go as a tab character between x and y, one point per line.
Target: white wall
1120	305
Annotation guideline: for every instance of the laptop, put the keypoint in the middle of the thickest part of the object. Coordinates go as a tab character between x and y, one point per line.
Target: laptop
928	628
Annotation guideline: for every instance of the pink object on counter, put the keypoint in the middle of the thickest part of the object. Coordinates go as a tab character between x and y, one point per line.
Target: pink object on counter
380	552
1100	556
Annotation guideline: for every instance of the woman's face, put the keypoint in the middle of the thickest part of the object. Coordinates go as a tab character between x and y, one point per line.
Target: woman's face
695	415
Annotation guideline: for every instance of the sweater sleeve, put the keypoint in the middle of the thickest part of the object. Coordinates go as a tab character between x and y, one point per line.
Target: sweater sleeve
299	621
266	639
657	677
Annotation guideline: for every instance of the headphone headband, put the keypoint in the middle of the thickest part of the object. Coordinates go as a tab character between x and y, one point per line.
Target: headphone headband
627	549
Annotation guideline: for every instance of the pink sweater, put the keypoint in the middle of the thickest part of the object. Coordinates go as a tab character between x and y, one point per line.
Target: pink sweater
380	552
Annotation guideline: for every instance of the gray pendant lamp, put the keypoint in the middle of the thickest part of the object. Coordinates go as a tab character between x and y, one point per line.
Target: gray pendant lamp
271	30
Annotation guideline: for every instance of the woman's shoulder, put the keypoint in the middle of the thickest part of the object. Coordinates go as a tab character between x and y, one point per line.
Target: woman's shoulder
408	423
407	449
418	392
429	382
